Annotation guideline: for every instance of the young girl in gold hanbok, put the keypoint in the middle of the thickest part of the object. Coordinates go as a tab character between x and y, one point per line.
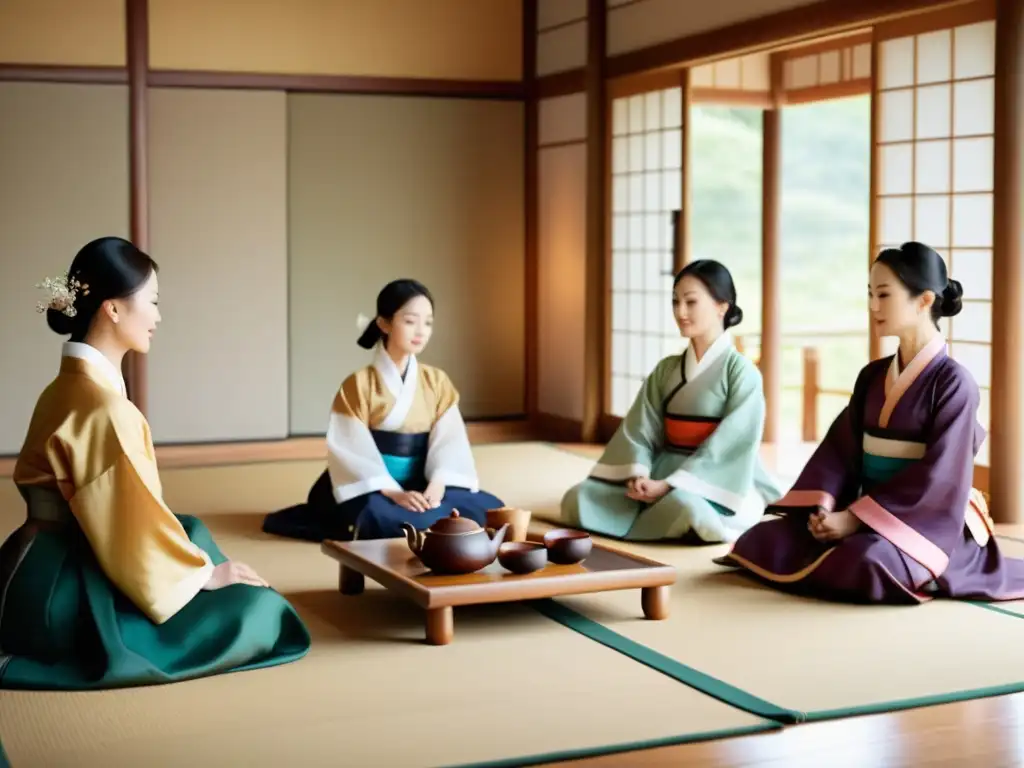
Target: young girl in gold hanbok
397	446
103	586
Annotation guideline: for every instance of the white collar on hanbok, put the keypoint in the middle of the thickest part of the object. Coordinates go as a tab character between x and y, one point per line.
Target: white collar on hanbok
719	347
90	354
403	389
389	372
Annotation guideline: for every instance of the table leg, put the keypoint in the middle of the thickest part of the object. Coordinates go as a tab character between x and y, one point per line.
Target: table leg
440	625
655	602
350	581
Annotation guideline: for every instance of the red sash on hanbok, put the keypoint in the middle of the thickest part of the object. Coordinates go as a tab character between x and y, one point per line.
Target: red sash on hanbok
685	434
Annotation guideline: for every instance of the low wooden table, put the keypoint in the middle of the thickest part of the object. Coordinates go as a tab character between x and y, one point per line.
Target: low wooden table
392	564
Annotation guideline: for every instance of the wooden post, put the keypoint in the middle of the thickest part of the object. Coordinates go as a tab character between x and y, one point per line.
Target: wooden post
682	251
597	220
810	392
874	340
530	212
771	303
1006	481
137	39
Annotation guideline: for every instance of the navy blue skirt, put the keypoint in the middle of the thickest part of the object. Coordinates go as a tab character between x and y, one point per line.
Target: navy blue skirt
373	515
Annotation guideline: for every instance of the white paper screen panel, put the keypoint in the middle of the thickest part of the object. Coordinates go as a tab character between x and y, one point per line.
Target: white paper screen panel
825	69
743	73
647	185
936	106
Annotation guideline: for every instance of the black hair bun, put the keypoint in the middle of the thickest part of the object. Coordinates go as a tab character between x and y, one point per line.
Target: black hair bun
370	335
733	316
952	298
60	323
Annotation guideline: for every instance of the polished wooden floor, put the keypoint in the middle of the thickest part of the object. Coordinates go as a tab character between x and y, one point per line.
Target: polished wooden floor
986	733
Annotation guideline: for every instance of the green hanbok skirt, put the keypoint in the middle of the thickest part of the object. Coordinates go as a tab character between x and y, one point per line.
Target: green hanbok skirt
65	626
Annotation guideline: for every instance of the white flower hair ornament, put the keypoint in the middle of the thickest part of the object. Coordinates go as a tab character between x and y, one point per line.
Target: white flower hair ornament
62	294
362	322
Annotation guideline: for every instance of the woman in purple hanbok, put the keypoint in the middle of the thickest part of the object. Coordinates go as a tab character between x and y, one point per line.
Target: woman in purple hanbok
884	511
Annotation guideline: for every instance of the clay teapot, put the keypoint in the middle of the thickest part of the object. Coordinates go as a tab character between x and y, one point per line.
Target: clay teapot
454	544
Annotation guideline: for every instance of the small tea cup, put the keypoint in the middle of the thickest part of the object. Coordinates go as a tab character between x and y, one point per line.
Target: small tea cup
522	556
567	546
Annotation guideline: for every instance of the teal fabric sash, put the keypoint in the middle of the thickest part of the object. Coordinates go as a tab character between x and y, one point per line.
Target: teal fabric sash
405	455
405	469
878	469
885	454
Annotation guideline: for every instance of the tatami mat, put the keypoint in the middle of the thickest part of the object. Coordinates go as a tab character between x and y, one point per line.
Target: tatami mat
811	658
828	659
512	685
1010	546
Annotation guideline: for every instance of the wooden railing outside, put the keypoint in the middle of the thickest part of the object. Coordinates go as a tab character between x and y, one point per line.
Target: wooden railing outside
808	342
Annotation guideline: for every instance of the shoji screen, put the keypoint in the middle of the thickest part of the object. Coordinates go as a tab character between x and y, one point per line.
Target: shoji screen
647	186
935	123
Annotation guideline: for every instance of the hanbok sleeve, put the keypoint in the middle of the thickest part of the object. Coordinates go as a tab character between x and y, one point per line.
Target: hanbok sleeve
139	543
630	452
833	471
922	508
723	467
449	455
354	462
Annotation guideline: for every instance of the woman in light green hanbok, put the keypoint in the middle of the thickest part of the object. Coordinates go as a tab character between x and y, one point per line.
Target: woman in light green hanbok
684	463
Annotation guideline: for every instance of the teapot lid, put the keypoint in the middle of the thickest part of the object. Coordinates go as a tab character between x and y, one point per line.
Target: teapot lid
455	524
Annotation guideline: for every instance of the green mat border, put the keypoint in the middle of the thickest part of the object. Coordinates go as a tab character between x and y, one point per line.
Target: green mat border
996	607
577	754
628	746
900	705
568	618
945	698
706	684
737	697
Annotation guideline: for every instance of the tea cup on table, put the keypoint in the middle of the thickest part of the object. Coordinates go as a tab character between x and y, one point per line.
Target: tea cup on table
567	546
518	521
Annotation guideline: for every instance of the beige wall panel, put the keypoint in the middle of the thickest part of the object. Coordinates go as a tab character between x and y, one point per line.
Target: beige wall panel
382	188
562	49
562	118
554	12
78	33
63	182
561	279
648	22
218	369
455	39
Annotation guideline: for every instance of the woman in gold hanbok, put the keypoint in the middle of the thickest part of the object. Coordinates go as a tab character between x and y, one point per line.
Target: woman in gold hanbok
103	586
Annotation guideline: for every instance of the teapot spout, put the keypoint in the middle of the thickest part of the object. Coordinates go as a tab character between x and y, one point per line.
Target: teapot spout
498	538
413	537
